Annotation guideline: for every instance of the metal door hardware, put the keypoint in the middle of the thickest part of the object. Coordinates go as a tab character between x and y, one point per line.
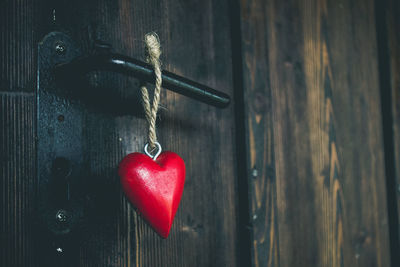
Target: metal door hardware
144	72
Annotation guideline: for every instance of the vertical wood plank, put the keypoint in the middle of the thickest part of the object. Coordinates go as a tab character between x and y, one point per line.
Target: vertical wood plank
21	27
393	24
388	23
313	114
17	179
196	46
259	139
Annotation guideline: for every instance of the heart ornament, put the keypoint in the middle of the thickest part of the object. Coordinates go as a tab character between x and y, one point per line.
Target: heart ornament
154	186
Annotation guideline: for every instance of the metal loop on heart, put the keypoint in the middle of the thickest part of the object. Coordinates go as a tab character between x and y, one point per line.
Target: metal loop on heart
158	147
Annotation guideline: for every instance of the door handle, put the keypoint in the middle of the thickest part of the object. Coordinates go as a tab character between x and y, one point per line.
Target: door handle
144	72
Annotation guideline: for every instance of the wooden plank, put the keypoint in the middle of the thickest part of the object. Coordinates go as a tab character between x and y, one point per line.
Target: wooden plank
259	136
196	44
195	38
21	28
393	24
314	133
17	179
388	23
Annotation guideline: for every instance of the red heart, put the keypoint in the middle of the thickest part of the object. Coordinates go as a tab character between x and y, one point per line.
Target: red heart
154	187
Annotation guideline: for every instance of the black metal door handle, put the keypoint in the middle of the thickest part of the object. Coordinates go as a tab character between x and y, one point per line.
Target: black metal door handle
144	72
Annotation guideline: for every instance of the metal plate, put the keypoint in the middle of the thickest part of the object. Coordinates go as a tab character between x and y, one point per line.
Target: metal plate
60	157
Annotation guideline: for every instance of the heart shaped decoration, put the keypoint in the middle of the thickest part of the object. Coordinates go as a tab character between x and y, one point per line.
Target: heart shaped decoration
154	187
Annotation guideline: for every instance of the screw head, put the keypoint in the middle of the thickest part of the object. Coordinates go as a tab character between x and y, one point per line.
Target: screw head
61	216
60	48
60	118
254	173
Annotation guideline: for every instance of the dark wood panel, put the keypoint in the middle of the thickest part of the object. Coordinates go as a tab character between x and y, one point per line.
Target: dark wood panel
315	161
21	27
389	45
17	179
196	44
393	24
259	135
393	34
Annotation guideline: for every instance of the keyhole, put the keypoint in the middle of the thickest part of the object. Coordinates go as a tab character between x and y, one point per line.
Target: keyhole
61	170
61	167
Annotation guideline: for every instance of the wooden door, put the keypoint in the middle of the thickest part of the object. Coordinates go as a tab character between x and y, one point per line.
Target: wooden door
300	169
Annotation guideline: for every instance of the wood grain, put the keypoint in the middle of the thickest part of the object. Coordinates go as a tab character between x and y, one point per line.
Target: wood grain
17	168
314	133
21	26
260	139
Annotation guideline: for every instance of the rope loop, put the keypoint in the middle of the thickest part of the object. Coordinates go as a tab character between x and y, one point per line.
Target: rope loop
153	53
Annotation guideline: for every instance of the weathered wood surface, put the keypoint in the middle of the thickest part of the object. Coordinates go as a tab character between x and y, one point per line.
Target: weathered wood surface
195	38
314	134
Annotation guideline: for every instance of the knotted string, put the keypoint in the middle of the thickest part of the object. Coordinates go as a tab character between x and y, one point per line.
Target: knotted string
153	53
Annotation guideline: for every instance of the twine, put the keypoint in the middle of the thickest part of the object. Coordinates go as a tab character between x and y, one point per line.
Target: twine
153	53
